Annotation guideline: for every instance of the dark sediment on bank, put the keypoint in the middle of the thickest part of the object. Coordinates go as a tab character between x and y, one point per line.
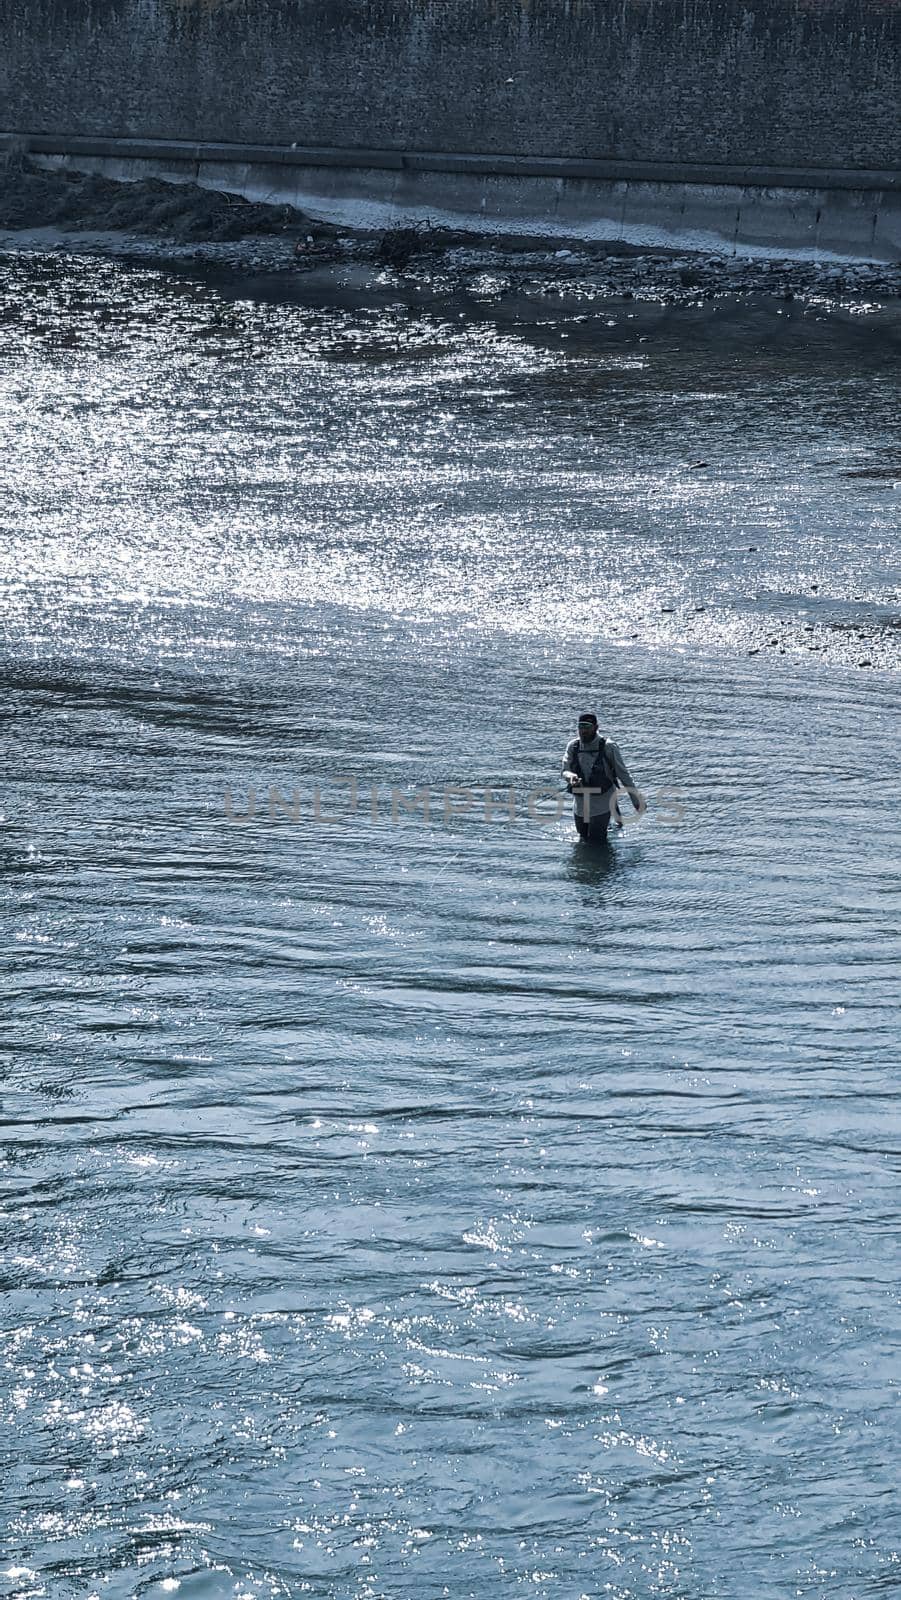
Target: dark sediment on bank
32	197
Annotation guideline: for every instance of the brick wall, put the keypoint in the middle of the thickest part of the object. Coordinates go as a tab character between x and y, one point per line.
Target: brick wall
796	82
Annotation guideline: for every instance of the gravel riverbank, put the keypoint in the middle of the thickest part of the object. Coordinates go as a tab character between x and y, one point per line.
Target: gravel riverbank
178	223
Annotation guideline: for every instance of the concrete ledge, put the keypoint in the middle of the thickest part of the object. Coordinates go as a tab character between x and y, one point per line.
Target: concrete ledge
825	178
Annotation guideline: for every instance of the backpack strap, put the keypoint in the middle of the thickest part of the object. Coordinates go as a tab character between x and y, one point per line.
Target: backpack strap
602	756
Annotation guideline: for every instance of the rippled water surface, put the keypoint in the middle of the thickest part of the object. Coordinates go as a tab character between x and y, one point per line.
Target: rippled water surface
403	1207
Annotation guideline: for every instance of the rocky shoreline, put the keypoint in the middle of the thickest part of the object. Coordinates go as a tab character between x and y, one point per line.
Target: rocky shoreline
182	223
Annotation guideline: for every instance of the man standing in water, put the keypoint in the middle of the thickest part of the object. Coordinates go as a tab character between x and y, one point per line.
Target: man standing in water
594	769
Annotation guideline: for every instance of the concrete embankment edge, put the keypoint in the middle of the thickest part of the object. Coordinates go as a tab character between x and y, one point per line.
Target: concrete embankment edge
777	212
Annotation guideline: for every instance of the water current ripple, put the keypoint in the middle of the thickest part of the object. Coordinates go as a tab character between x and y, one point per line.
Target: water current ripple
398	1206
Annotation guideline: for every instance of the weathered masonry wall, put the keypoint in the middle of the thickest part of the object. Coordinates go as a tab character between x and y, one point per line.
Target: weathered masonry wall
665	90
769	82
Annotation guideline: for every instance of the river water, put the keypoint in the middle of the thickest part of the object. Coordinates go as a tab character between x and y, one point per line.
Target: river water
415	1207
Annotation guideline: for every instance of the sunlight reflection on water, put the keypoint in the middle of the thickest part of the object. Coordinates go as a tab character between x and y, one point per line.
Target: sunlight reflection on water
441	1207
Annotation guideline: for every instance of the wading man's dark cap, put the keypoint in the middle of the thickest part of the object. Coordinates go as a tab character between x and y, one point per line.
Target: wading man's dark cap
588	716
